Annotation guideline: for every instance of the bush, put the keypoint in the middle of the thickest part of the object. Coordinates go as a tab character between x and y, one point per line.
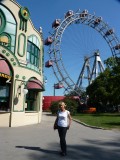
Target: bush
54	107
71	106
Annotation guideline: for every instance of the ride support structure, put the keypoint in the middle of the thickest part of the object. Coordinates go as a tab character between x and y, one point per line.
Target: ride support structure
91	71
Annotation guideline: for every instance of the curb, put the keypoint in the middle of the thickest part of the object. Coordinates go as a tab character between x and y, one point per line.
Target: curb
86	125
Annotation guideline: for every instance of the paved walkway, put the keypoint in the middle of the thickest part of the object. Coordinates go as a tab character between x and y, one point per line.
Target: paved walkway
40	142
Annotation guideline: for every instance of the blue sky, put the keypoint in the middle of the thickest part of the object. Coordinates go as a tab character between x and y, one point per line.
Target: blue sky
76	38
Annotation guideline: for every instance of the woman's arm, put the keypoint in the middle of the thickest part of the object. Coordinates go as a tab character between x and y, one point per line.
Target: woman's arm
70	120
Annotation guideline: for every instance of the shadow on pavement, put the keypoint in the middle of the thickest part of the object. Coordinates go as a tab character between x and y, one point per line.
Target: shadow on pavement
94	150
38	149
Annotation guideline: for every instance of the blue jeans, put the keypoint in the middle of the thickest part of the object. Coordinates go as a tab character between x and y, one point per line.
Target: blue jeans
62	134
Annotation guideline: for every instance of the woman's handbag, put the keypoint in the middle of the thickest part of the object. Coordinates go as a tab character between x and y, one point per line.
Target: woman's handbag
56	125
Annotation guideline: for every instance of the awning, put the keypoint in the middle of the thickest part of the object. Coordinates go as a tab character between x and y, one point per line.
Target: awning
4	69
35	84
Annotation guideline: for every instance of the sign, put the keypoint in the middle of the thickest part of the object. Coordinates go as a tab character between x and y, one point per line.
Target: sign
5	75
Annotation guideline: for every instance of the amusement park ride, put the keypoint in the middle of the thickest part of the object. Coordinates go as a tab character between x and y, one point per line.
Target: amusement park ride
54	41
93	72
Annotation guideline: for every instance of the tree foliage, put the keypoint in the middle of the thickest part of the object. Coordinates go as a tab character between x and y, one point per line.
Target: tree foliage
71	106
105	89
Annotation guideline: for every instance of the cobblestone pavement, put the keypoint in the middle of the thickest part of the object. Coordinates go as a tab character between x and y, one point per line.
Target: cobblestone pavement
41	142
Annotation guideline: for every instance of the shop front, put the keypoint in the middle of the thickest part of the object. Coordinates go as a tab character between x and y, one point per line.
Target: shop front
5	85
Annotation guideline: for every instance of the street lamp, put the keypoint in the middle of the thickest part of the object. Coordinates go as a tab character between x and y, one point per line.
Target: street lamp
45	80
25	90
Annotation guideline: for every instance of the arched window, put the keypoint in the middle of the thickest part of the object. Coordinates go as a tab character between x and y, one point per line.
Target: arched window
7	27
33	51
2	21
5	40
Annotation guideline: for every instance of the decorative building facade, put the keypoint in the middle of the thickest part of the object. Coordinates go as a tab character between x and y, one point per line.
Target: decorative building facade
21	67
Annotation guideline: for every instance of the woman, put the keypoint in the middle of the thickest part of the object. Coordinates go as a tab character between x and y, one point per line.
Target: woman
63	116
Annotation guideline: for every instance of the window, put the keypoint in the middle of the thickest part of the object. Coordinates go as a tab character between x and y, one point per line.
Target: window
4	95
8	27
33	51
5	40
33	55
2	21
31	100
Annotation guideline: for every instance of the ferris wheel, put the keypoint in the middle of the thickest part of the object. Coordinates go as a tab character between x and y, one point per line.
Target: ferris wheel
56	54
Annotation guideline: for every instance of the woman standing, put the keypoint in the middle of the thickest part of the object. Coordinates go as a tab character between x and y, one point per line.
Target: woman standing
63	121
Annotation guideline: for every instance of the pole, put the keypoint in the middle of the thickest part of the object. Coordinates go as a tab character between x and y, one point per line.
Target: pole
54	89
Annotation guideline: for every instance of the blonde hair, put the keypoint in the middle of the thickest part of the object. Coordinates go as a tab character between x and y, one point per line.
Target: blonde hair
61	103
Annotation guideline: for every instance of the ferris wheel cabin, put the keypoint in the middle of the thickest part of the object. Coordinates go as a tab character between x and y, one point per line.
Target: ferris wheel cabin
109	32
97	20
84	13
48	41
58	85
56	23
49	63
69	13
117	46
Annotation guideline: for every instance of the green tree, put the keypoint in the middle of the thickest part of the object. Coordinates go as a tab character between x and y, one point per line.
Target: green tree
71	106
111	62
105	89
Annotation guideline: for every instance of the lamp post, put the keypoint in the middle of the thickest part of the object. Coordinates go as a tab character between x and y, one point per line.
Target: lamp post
54	89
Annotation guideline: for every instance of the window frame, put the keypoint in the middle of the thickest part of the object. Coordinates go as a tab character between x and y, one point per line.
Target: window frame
3	20
34	52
